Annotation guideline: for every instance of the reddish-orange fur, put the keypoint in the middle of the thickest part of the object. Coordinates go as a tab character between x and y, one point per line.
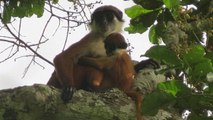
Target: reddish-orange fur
118	70
66	61
104	20
85	78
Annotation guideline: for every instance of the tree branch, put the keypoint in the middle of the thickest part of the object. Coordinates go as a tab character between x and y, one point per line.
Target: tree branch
27	46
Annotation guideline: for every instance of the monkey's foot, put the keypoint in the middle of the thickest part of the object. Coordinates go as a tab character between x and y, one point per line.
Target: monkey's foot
67	94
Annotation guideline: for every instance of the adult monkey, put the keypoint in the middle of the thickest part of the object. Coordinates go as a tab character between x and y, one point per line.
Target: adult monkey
104	21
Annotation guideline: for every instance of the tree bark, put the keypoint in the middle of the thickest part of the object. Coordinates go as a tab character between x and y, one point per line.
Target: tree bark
41	102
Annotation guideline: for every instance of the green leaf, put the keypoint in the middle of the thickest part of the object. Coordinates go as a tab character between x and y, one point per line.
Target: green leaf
173	87
154	101
196	60
195	53
171	3
209	55
194	116
153	38
146	19
7	14
210	87
20	11
23	8
163	54
195	102
149	4
173	6
203	68
165	16
136	11
38	8
136	29
160	28
56	1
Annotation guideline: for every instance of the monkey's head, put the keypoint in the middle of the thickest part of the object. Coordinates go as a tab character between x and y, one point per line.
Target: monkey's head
113	42
106	19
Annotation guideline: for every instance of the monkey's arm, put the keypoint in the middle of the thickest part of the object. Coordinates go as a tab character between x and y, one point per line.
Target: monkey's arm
98	63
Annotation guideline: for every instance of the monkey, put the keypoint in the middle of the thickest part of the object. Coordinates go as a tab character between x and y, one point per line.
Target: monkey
118	69
149	63
104	21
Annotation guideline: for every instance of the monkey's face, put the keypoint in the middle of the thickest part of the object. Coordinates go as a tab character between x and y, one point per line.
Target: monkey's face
106	20
113	42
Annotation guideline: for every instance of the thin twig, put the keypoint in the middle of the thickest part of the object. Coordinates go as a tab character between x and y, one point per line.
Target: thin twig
27	46
10	55
67	35
74	19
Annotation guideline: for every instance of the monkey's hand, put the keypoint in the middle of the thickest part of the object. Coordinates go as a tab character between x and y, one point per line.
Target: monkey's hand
67	94
84	61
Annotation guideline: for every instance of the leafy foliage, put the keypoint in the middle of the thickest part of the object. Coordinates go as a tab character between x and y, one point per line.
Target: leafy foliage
152	102
140	17
185	27
162	53
22	8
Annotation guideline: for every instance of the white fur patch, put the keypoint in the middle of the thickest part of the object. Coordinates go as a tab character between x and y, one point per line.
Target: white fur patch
120	51
97	49
115	27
